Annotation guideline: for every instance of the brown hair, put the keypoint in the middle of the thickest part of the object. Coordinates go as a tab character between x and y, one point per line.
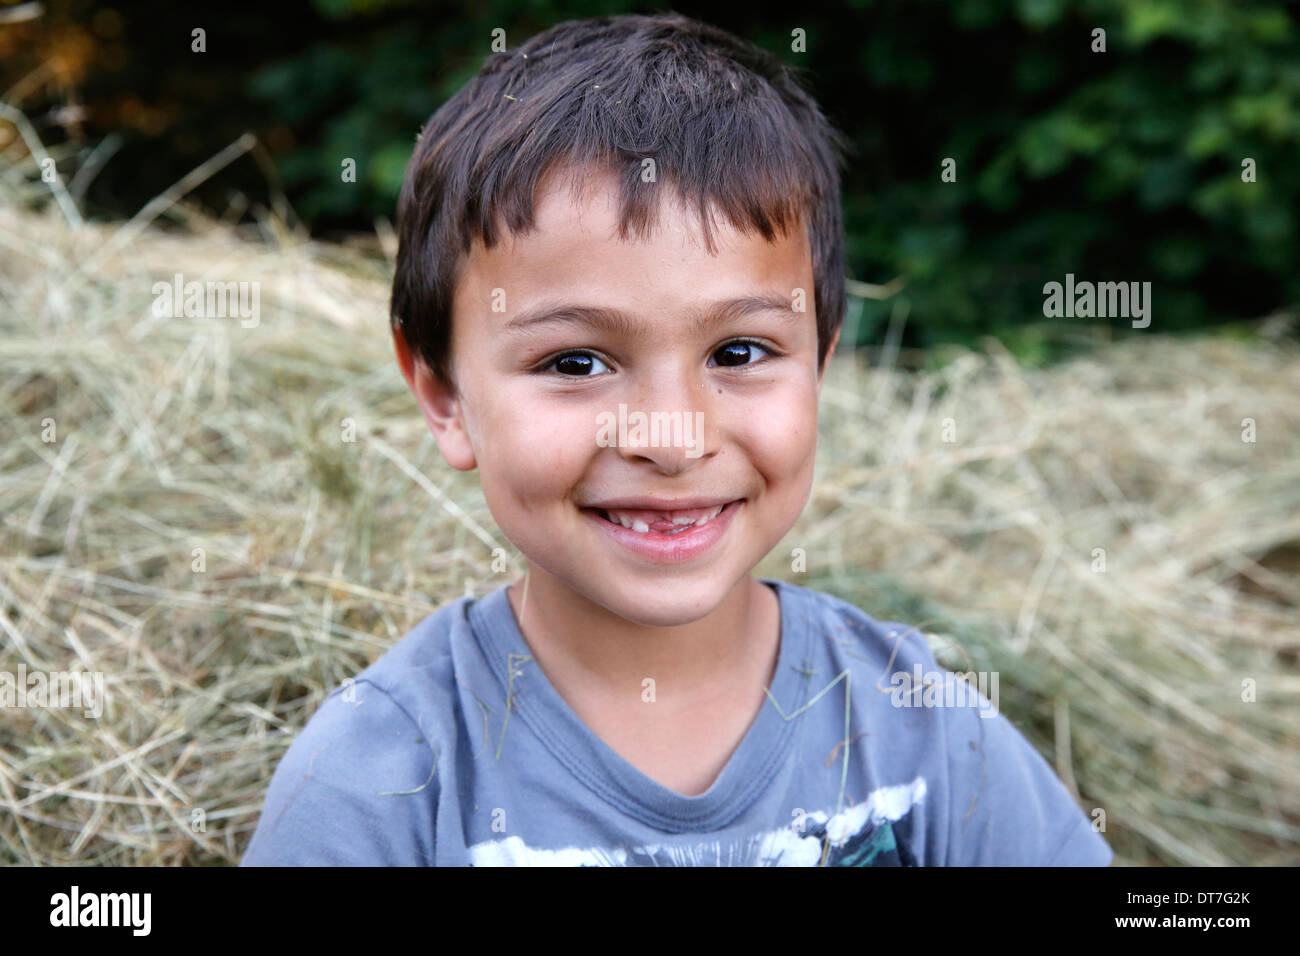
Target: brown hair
726	122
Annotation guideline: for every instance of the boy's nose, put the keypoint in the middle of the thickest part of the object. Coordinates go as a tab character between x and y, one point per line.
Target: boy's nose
676	420
666	459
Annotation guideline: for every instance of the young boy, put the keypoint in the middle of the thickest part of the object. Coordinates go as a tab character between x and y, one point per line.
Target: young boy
637	219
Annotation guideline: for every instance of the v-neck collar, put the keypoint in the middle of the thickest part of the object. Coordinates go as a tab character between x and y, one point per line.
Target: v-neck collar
612	778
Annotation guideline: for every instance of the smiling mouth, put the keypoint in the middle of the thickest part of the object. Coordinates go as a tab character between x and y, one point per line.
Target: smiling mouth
664	523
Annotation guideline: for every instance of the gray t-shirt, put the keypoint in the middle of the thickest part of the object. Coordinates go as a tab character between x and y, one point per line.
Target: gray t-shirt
419	763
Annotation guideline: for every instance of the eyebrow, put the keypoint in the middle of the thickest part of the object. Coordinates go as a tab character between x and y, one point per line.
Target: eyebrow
629	326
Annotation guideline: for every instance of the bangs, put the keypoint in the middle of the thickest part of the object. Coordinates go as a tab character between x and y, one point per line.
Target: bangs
713	169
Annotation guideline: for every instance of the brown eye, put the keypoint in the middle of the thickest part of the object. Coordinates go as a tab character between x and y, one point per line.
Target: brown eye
579	365
735	354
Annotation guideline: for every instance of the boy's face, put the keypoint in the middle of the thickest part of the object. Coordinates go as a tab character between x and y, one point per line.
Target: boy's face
544	433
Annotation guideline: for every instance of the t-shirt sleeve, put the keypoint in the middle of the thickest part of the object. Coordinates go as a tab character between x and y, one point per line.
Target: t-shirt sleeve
357	788
1005	805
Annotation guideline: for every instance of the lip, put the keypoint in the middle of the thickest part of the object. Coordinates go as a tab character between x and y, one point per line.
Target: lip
664	548
659	504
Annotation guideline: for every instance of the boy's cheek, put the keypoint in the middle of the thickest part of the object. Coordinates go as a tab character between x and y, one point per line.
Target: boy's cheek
527	435
532	462
783	431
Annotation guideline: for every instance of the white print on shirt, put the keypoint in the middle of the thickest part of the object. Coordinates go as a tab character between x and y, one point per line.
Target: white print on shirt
860	835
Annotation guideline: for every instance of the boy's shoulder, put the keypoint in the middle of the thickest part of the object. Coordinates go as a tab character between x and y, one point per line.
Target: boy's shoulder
991	797
425	651
359	784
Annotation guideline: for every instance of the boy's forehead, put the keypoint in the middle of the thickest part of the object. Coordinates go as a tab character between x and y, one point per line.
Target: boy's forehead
575	243
586	203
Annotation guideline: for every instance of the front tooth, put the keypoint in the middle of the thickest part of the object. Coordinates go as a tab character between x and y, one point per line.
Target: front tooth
625	521
639	525
707	518
683	520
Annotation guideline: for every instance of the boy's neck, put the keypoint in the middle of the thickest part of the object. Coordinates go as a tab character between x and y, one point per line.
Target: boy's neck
585	647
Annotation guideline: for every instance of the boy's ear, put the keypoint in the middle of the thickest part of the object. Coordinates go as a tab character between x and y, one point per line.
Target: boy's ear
439	403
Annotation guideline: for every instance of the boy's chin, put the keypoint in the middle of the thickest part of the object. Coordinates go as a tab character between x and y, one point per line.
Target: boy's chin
650	603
